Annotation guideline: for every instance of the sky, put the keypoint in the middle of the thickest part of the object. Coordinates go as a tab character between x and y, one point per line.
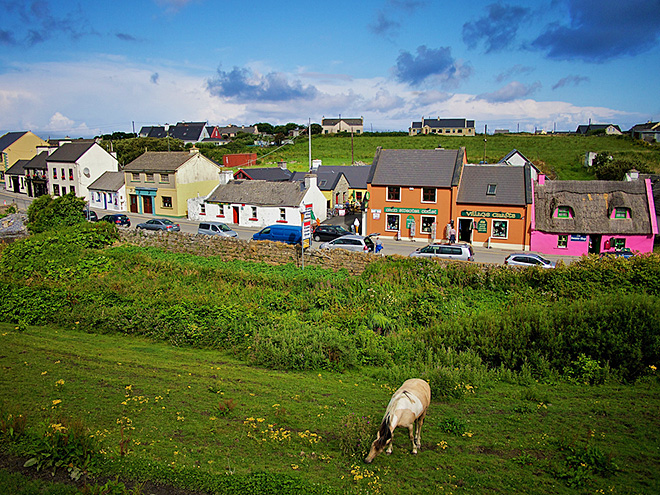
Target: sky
81	69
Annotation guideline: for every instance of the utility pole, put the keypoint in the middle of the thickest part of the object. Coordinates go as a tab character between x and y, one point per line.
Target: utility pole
352	150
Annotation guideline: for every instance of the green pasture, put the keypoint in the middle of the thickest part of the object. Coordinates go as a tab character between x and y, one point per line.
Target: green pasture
165	409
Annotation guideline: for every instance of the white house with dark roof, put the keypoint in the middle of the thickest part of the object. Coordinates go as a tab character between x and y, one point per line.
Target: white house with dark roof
446	127
258	203
516	159
108	192
188	132
333	126
649	132
15	180
74	166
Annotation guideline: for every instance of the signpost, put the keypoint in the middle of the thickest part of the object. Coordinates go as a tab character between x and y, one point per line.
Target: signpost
306	212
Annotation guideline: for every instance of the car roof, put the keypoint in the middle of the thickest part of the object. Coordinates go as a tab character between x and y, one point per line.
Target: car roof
213	223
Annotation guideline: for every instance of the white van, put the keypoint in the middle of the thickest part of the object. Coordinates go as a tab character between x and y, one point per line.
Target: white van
462	252
216	228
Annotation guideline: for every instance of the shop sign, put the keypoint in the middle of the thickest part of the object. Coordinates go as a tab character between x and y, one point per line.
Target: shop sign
375	214
482	226
507	215
414	211
410	221
578	238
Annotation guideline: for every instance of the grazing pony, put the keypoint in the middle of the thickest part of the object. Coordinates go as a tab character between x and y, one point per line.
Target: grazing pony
407	407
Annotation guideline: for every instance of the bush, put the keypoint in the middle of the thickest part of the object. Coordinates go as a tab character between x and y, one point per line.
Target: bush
46	213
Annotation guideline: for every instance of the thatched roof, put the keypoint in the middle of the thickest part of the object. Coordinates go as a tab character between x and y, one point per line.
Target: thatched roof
259	193
592	203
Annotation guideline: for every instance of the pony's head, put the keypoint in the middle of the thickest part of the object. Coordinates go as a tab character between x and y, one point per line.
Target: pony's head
383	439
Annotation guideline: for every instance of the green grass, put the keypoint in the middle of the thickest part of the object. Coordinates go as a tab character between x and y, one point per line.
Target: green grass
511	435
560	155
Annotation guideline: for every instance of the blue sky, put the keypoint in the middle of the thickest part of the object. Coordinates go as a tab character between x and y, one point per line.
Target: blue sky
85	68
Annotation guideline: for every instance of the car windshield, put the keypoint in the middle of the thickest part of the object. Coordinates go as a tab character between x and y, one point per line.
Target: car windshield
342	230
369	242
544	261
224	228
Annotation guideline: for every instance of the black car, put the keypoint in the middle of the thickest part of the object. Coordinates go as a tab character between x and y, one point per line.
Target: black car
329	232
91	215
119	219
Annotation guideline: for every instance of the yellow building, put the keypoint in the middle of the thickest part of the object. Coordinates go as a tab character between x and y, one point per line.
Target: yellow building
16	146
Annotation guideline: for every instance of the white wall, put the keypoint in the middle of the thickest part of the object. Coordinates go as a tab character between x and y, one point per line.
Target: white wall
197	169
98	161
107	199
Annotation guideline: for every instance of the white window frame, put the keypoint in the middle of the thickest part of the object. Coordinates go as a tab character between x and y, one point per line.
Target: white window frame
492	229
560	244
387	190
435	195
430	229
283	214
254	212
398	222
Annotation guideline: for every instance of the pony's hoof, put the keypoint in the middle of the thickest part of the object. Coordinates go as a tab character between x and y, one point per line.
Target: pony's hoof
414	451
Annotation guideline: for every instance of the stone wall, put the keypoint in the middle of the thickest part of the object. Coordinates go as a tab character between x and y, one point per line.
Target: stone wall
274	253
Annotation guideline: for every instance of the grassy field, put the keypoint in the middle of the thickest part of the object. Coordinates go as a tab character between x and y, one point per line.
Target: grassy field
561	156
189	411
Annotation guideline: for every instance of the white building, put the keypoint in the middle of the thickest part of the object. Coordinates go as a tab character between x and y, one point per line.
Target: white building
108	192
258	203
74	166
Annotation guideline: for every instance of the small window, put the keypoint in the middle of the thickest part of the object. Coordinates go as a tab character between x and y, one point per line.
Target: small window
70	174
621	212
428	194
54	173
221	210
63	191
72	189
358	196
491	189
393	193
282	214
135	176
150	178
202	209
167	202
56	190
63	176
427	224
254	212
562	241
392	222
564	212
618	243
165	177
501	229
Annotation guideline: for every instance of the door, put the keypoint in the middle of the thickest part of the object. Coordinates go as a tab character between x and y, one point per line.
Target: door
14	182
235	209
465	229
594	244
134	203
147	201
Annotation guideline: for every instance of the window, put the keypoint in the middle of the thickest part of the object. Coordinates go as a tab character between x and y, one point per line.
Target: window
562	241
621	212
63	191
393	193
221	210
70	174
167	202
135	176
491	189
63	176
56	190
164	177
618	243
392	223
282	214
358	196
54	173
427	225
428	194
254	212
202	209
72	189
500	229
564	212
150	178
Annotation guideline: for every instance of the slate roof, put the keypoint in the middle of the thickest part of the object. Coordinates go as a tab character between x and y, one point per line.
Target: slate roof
187	131
417	168
38	162
109	181
10	138
513	185
70	152
269	173
583	129
592	203
18	168
347	121
326	179
159	161
438	123
356	175
259	193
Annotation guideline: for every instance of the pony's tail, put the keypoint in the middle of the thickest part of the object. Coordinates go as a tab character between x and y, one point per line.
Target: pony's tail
384	432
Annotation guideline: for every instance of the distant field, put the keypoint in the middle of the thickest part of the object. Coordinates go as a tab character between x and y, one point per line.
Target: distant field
560	156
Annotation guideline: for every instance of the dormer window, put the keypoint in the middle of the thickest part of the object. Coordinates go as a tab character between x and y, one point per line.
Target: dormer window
491	190
564	212
621	213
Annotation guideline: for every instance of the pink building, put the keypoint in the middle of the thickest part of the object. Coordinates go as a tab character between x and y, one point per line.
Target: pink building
581	217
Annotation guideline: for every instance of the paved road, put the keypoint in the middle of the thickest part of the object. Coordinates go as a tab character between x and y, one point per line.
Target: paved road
390	246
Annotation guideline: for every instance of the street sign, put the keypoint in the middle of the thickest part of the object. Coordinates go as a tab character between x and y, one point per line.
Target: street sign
307	227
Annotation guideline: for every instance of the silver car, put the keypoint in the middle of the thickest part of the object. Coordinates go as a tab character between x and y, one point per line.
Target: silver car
462	252
351	242
216	228
159	224
528	259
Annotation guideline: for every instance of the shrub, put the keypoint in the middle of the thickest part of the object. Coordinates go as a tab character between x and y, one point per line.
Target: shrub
356	434
46	213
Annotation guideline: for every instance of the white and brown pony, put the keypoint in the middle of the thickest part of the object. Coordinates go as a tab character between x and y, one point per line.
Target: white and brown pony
407	408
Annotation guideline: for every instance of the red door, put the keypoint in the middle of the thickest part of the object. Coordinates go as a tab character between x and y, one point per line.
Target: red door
236	214
148	204
134	203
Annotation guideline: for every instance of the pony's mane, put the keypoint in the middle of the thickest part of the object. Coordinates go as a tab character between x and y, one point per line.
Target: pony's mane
384	432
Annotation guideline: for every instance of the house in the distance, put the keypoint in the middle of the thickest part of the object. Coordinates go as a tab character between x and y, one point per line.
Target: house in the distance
609	129
75	165
188	132
452	127
14	146
649	132
108	192
333	126
573	217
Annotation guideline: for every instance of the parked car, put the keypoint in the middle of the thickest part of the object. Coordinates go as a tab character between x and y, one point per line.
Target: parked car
351	242
91	215
463	252
216	228
621	253
159	224
329	232
118	219
528	259
291	234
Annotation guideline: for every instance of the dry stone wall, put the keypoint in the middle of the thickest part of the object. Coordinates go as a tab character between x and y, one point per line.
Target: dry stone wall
274	253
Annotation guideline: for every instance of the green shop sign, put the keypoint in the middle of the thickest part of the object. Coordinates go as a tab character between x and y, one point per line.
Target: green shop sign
482	226
491	214
418	211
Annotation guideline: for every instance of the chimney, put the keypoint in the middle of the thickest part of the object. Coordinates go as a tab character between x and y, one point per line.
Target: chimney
194	150
316	164
541	179
282	165
310	181
633	174
226	176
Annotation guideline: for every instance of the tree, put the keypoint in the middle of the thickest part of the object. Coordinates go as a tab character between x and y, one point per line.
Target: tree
316	129
607	167
46	213
264	128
